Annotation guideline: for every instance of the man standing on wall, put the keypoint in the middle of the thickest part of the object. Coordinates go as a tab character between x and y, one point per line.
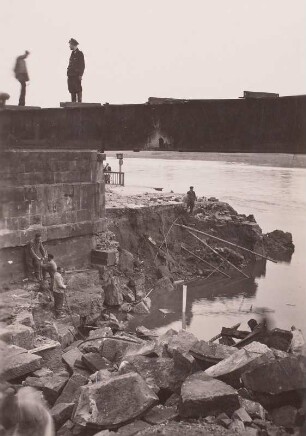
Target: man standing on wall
21	74
75	71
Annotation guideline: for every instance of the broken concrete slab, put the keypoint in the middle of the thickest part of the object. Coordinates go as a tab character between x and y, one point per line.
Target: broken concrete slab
202	396
19	335
113	402
278	376
17	362
231	368
242	415
160	414
51	386
70	357
61	413
95	362
183	341
209	353
71	391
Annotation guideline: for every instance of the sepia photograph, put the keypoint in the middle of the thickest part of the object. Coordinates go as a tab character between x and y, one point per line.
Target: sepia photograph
152	217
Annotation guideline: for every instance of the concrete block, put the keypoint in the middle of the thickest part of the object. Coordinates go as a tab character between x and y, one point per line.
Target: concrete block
104	257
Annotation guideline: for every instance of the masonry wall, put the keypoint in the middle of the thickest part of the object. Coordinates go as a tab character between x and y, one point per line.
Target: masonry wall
60	194
242	125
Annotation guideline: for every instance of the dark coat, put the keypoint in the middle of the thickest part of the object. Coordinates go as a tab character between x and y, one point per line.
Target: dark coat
76	65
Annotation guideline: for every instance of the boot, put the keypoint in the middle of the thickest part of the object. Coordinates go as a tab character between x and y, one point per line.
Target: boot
80	97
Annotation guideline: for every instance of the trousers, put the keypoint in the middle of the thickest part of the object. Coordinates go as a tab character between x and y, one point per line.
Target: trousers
22	93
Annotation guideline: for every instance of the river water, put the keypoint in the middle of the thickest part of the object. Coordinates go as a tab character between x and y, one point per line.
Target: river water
273	190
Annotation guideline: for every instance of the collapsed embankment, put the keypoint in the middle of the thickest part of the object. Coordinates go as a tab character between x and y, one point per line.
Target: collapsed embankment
174	384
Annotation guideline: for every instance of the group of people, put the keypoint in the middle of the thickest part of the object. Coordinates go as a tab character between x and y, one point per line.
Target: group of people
41	264
75	73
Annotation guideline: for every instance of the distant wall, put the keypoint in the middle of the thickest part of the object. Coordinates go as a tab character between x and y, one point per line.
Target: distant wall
60	194
242	125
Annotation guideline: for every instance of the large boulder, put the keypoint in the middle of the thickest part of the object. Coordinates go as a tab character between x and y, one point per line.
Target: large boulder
230	369
18	334
279	376
113	402
16	362
209	353
202	395
115	349
51	386
183	341
159	372
71	391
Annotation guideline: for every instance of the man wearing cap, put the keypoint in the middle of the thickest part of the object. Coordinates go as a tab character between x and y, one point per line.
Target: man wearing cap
191	199
21	74
75	71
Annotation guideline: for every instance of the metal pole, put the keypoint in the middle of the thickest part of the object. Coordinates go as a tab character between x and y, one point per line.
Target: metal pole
184	307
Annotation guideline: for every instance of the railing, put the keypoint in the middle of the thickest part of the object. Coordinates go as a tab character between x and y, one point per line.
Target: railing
114	178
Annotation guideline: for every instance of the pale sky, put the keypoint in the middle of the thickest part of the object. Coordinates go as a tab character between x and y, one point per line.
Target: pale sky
164	48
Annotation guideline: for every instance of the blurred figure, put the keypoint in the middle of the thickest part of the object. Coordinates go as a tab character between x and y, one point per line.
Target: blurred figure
191	199
75	71
3	97
35	254
58	292
21	74
24	413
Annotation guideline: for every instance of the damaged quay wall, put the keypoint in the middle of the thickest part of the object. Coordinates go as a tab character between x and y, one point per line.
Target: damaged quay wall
60	194
238	125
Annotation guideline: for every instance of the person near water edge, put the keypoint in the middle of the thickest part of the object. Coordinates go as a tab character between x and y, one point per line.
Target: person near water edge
21	74
75	71
191	199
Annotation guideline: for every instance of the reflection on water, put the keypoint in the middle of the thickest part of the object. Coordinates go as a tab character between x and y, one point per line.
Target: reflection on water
276	197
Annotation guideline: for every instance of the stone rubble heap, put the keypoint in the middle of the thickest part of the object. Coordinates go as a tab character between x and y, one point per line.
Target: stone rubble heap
116	383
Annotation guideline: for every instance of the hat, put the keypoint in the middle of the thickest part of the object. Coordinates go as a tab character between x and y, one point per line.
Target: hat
73	41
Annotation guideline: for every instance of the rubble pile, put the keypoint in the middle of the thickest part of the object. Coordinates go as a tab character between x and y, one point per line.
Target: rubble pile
115	383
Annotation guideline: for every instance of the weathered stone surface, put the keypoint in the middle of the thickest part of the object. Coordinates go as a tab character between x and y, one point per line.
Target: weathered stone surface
210	353
66	429
103	374
61	412
173	400
95	362
51	386
128	294
66	334
164	284
185	361
183	341
237	426
104	257
71	391
160	414
132	429
141	308
95	346
223	420
51	358
278	376
254	409
113	294
202	395
69	357
25	318
114	349
111	403
16	362
159	372
242	415
126	261
285	416
231	368
19	335
43	372
162	342
143	332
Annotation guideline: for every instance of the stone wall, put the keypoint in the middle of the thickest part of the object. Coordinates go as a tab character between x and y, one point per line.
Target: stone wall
241	125
59	194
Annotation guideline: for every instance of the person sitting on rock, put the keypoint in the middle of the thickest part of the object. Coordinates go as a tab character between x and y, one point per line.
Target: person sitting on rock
58	292
191	199
35	254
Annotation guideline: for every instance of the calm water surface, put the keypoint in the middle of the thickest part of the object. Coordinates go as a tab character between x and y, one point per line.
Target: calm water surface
276	197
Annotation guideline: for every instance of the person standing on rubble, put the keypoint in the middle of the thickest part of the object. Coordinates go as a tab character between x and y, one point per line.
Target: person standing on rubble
75	71
58	292
35	254
49	267
191	199
21	74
